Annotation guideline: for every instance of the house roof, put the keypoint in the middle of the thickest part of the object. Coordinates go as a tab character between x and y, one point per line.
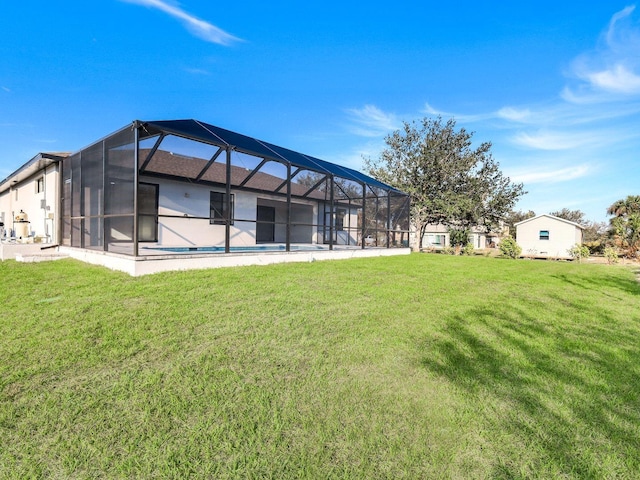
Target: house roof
39	162
439	228
550	217
175	165
205	132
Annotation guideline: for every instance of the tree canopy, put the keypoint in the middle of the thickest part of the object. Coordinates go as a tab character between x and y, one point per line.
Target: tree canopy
625	225
575	216
450	182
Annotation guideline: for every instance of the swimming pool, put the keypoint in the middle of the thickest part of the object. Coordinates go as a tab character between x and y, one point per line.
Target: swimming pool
246	248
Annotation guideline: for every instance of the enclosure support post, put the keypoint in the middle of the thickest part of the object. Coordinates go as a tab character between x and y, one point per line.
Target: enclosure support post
331	210
388	219
105	245
288	238
364	219
227	206
136	153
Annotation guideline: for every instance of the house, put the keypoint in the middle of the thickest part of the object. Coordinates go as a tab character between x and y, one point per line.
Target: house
33	188
437	237
546	236
29	205
162	195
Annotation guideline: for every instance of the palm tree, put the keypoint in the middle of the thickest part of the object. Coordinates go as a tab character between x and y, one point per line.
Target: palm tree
628	206
625	226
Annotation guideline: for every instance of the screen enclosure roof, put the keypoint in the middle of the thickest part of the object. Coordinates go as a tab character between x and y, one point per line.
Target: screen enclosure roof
207	133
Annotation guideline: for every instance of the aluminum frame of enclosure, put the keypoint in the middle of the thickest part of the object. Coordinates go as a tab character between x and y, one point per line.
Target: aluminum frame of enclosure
100	204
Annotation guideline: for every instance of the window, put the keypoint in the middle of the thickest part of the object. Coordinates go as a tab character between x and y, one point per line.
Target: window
218	208
340	214
40	185
147	212
544	234
437	240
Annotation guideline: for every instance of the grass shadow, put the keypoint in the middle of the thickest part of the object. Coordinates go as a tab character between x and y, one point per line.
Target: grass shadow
567	389
601	282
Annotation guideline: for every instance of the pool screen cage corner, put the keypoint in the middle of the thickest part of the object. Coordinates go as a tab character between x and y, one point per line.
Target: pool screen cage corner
187	186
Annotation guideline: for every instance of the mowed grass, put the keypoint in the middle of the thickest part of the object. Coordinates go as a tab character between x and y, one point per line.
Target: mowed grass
422	366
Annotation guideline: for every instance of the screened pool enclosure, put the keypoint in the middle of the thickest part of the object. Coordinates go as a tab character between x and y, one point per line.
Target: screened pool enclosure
183	186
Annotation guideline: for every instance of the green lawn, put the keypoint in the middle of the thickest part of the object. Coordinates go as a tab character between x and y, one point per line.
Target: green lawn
422	366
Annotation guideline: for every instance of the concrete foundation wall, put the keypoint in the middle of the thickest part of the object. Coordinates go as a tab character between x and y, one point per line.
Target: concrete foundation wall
148	265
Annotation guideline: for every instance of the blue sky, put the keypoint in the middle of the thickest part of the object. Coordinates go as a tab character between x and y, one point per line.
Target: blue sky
555	86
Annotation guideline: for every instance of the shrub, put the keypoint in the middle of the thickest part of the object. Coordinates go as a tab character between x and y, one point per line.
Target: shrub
595	247
448	251
509	248
459	236
611	255
578	252
468	249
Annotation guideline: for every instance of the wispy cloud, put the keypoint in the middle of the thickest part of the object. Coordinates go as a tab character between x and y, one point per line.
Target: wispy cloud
615	35
613	67
514	114
6	89
197	71
198	27
616	79
370	121
563	140
589	112
463	117
566	139
557	175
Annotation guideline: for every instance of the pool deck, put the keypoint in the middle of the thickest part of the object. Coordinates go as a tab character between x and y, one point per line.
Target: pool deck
13	250
277	247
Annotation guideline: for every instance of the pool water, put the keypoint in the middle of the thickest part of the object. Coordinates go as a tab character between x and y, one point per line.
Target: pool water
247	248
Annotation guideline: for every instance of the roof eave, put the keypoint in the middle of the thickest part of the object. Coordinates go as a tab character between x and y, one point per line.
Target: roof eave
37	163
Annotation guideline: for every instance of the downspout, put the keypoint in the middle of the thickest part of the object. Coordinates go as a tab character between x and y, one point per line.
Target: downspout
59	212
44	207
55	204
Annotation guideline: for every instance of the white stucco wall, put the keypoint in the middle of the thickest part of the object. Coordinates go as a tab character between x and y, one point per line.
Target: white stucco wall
184	203
43	222
562	236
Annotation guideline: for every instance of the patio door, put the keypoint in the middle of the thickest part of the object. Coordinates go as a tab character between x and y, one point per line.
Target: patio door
147	212
265	226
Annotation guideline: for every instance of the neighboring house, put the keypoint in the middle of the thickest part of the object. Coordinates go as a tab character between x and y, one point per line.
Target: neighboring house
157	190
437	237
546	236
34	190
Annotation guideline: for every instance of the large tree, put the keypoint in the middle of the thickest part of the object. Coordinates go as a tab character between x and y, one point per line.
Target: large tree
450	183
575	216
625	225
